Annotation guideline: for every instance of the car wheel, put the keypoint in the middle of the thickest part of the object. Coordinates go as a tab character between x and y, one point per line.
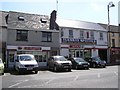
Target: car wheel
104	66
3	73
69	70
36	72
94	65
19	71
76	67
55	68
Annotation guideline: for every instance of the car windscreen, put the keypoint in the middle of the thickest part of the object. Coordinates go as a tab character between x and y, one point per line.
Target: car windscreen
96	59
0	60
79	60
60	58
26	58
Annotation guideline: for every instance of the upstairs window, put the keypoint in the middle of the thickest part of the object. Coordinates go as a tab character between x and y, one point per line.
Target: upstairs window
21	18
62	33
92	34
82	34
22	35
70	33
87	34
47	36
113	34
101	36
113	42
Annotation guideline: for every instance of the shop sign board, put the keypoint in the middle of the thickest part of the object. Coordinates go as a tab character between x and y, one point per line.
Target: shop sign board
78	40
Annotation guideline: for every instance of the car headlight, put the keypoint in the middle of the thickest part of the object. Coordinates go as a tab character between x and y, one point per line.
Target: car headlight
80	63
36	65
88	63
70	63
105	62
97	62
21	66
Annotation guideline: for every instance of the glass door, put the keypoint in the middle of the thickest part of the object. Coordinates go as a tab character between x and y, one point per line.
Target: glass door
10	58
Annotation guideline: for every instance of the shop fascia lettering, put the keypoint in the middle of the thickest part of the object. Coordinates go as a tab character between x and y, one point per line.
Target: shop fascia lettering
28	48
78	40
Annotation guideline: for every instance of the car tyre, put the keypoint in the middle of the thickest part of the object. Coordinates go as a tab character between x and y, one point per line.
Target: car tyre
36	72
76	67
55	68
94	65
104	66
3	73
69	70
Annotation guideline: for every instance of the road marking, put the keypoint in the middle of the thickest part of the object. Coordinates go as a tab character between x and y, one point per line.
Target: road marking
49	81
116	73
76	77
17	84
98	75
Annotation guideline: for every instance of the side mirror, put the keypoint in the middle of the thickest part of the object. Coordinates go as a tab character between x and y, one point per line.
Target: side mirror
17	60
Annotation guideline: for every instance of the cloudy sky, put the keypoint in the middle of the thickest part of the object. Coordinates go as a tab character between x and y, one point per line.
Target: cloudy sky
85	10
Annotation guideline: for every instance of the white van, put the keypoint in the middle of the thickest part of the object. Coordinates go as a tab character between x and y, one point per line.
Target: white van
26	62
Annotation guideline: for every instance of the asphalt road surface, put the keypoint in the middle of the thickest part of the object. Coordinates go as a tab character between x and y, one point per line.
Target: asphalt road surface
92	78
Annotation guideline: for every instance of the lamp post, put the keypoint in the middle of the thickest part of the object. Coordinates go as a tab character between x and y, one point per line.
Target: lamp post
109	37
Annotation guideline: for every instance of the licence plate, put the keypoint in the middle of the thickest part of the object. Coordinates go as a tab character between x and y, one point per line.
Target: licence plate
65	66
30	68
85	65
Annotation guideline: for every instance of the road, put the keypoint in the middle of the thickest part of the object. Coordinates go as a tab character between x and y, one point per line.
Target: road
92	78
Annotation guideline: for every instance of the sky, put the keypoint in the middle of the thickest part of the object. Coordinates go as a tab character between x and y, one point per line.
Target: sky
84	10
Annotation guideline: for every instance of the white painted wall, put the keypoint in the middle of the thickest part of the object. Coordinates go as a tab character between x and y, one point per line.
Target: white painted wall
119	12
64	52
94	52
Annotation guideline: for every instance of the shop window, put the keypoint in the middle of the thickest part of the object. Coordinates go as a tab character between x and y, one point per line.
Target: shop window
22	35
87	53
38	58
46	36
11	57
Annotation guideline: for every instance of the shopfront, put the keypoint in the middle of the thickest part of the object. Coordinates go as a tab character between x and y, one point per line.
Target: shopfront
77	47
41	54
115	55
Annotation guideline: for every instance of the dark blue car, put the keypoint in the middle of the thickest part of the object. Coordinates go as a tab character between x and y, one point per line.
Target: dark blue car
79	63
96	62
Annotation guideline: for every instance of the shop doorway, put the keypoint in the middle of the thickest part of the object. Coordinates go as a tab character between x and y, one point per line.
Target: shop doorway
103	54
10	59
77	53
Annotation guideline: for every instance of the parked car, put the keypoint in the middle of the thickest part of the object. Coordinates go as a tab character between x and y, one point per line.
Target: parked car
96	62
1	67
57	63
79	63
26	62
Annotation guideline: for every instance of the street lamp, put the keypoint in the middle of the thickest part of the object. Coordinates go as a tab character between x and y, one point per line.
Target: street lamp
109	39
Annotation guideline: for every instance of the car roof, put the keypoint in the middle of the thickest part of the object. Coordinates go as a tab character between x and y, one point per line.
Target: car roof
77	58
25	55
57	56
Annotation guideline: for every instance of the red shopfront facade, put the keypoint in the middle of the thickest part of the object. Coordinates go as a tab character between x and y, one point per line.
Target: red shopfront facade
41	54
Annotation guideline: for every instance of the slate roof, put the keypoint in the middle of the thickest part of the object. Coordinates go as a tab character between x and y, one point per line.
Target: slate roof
3	14
79	24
